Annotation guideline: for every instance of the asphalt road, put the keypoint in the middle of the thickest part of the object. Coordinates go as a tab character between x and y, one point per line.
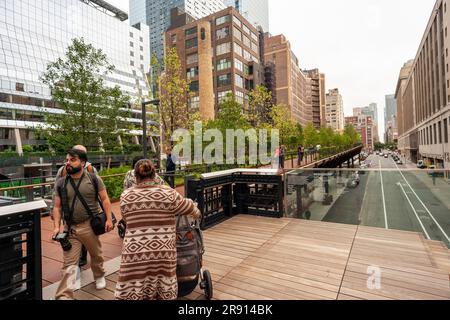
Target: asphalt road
389	198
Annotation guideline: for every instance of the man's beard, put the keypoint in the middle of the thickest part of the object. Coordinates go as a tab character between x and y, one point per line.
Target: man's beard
72	170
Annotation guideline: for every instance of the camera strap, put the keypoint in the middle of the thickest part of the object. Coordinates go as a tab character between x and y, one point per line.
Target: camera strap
80	197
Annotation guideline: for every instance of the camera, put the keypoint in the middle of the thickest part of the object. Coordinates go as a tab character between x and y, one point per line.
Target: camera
63	239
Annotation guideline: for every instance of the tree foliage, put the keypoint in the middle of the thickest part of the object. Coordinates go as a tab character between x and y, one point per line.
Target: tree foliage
259	106
90	110
174	97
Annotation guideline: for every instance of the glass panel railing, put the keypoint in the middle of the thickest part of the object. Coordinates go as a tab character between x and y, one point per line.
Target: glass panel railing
398	199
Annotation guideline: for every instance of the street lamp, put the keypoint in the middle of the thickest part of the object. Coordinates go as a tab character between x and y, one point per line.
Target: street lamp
144	123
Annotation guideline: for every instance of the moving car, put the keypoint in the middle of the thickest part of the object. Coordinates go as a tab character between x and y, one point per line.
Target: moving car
421	164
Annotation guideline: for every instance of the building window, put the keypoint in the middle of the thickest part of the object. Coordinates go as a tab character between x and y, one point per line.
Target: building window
445	130
247	41
192	73
223	48
435	134
237	33
132	53
194	86
222	33
223	64
238	65
440	131
132	63
20	87
239	81
141	39
131	34
246	29
141	48
222	20
192	58
191	31
222	95
191	43
237	49
131	44
224	80
194	103
239	97
237	21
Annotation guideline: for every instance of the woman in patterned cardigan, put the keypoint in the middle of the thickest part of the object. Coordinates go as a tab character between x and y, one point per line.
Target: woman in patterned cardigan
149	255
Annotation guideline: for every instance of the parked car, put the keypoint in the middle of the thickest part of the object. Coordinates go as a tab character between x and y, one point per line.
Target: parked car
421	164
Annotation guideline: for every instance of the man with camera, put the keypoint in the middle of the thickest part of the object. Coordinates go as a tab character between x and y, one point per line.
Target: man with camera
80	198
62	172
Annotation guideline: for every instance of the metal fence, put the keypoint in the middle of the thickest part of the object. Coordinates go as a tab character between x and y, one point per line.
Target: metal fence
20	252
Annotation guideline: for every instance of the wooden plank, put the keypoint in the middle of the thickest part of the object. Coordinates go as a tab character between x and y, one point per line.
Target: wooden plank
84	296
266	278
404	283
388	290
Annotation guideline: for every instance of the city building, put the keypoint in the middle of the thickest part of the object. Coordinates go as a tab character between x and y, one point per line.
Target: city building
255	11
364	126
370	111
31	36
334	111
156	14
391	107
391	135
318	95
220	54
292	84
423	95
390	119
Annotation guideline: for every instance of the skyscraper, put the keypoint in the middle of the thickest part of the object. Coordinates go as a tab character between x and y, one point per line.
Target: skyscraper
391	107
156	14
292	86
335	110
255	11
31	36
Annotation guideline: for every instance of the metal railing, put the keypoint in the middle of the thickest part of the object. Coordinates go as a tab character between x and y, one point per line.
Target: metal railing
20	252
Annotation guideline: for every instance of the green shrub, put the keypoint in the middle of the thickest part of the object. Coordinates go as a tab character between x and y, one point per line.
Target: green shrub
114	185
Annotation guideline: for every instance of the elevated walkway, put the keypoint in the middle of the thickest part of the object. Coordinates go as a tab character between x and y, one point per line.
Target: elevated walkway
265	259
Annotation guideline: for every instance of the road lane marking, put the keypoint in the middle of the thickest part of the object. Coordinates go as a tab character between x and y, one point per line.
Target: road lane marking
421	202
415	212
384	199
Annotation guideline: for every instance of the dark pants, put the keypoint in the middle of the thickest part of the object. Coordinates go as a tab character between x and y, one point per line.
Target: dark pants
170	178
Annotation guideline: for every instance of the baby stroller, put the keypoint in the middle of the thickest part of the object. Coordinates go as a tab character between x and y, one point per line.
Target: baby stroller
190	250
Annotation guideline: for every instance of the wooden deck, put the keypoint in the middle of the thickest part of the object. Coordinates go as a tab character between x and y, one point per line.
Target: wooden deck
260	258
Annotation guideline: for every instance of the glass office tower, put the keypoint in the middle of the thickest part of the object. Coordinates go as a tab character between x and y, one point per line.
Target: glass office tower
255	11
156	14
36	32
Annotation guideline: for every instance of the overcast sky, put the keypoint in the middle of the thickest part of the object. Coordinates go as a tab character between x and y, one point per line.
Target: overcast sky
359	44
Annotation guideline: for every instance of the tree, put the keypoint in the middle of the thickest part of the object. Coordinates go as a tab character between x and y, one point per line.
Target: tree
174	95
230	116
352	134
259	106
291	132
311	136
92	112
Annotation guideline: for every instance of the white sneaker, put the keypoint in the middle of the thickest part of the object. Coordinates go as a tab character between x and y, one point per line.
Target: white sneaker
100	283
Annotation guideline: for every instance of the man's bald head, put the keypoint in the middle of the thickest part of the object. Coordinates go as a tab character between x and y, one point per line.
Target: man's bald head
80	147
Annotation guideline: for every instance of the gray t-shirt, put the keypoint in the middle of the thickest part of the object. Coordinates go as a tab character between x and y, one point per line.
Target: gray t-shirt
87	190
